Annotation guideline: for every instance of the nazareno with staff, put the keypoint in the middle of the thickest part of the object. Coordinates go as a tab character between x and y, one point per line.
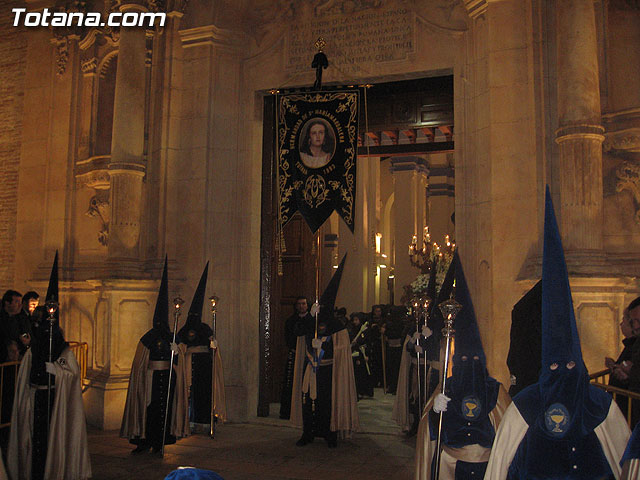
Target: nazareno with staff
460	420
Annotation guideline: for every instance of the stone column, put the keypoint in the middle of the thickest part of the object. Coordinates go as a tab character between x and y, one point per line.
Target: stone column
409	180
580	134
127	166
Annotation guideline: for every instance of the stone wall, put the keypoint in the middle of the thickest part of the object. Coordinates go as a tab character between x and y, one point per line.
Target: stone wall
13	47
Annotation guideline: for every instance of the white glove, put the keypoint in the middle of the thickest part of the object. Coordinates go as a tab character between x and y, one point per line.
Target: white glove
213	344
440	403
315	308
426	331
419	349
174	348
316	343
415	338
50	368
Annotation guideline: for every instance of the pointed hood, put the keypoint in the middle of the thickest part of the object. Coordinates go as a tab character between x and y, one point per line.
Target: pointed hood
161	313
559	332
472	391
467	335
562	404
45	332
52	289
194	317
194	331
328	300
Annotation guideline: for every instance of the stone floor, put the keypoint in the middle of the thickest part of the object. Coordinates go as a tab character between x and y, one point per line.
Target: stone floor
265	448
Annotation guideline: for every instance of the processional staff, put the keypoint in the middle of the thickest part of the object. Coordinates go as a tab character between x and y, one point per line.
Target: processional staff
416	311
425	303
450	309
177	304
384	362
52	308
214	347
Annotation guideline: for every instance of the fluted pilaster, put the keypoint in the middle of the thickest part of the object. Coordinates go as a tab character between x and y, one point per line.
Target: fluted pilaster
580	134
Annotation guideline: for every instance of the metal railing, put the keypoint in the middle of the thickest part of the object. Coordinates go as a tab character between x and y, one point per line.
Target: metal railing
81	351
600	379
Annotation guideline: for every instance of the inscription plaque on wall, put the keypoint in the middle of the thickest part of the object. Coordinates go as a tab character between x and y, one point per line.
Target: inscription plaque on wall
366	37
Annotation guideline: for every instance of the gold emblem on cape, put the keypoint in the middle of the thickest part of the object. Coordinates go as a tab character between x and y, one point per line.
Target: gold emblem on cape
471	408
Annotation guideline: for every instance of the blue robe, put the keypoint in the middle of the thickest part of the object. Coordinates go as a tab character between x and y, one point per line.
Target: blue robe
465	447
521	449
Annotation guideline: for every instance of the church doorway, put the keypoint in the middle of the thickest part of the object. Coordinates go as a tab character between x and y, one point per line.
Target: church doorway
404	124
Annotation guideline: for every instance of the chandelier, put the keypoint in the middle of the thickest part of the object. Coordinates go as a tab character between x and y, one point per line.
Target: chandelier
422	258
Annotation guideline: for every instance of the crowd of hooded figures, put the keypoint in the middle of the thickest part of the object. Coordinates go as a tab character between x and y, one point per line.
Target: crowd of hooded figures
557	425
47	438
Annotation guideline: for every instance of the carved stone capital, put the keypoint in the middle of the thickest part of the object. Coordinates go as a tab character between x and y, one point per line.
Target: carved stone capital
573	132
93	172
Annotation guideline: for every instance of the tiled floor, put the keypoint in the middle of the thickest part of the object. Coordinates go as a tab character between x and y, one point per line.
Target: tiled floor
265	448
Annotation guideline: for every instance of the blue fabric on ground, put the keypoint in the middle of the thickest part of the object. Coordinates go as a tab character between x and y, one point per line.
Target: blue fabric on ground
193	474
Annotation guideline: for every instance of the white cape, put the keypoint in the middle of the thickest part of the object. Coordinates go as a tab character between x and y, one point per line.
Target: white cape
67	450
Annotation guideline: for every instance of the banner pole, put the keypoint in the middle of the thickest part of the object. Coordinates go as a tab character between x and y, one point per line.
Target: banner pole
317	276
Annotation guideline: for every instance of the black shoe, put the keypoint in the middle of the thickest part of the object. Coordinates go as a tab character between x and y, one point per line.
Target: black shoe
304	440
140	449
332	443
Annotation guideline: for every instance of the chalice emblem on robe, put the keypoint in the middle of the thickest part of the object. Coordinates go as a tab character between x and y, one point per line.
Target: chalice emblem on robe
556	419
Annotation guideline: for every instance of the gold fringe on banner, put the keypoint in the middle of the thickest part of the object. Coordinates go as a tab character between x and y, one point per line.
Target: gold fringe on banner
280	245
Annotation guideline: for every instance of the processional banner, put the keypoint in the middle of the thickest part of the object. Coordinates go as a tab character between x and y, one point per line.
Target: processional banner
317	148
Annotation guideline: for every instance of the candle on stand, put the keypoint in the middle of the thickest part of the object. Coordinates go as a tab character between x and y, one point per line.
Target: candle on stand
414	246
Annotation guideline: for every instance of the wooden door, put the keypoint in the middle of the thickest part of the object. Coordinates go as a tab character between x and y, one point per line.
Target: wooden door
278	292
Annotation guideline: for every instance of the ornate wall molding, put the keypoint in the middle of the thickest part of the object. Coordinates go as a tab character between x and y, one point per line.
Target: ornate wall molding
628	178
99	208
627	140
93	173
61	44
89	66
